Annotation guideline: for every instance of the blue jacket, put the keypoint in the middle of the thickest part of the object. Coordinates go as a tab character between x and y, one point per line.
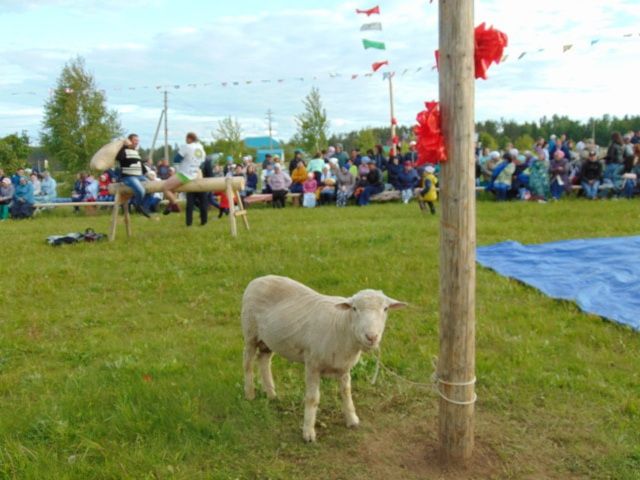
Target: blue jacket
24	192
408	179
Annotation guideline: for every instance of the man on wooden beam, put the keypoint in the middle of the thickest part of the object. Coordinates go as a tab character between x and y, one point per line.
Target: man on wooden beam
132	171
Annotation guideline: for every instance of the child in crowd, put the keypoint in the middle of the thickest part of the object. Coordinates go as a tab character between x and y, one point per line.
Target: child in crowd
309	188
428	192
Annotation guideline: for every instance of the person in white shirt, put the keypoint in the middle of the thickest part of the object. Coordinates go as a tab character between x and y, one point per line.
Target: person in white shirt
187	162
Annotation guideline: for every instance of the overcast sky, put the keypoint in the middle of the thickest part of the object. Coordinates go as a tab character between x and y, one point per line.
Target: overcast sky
131	44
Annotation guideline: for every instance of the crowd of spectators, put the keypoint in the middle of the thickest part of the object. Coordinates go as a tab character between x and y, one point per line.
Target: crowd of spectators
549	170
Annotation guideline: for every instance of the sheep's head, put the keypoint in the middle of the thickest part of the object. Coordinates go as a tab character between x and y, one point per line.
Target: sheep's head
368	311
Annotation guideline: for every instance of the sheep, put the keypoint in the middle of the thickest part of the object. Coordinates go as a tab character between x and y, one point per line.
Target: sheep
327	334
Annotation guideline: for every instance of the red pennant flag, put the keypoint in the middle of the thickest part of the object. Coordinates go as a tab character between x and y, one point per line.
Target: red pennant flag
378	65
372	11
429	137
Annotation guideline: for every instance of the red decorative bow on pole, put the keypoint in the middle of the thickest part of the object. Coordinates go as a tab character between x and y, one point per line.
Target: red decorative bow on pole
430	142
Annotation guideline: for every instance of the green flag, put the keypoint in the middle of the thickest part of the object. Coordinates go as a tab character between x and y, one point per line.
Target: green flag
371	44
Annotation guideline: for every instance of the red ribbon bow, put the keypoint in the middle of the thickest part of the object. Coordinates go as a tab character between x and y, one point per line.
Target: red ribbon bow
429	139
489	48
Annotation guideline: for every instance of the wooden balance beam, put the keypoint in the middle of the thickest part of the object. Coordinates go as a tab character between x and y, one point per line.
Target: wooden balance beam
232	186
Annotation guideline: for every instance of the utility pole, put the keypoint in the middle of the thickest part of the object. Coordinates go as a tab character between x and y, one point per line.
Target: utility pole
270	120
155	136
456	360
166	127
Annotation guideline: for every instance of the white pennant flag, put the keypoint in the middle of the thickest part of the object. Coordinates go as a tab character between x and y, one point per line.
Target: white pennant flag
371	26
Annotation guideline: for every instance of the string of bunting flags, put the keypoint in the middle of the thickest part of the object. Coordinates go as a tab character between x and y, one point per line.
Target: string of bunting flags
374	44
564	48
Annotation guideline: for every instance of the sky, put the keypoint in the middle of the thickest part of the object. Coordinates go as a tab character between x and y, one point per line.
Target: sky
134	46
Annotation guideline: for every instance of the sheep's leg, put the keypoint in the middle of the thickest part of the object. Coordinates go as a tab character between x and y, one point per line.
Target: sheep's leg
249	355
311	402
348	409
264	360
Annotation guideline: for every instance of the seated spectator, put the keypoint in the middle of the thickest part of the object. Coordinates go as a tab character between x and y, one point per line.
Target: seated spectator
297	158
48	189
346	184
327	186
502	176
104	181
539	177
363	168
36	184
309	187
7	191
407	180
151	201
559	169
92	189
252	181
393	170
412	155
520	183
23	200
266	173
629	177
374	184
298	177
590	175
79	188
267	160
163	169
15	178
279	183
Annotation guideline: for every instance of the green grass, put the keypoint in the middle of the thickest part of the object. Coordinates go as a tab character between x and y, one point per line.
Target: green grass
123	360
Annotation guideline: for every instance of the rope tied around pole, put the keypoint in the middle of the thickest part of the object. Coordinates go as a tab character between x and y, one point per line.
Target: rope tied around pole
434	385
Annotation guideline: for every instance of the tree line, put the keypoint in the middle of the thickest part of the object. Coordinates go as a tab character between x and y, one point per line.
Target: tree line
77	123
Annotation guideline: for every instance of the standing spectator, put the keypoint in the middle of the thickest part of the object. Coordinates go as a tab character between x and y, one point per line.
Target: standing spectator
374	184
590	176
428	192
310	185
378	156
615	152
7	191
559	170
412	154
15	178
316	164
279	183
341	155
23	200
629	177
297	158
267	160
407	180
346	184
298	177
200	200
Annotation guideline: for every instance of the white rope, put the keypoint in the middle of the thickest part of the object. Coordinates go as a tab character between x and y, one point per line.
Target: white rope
434	385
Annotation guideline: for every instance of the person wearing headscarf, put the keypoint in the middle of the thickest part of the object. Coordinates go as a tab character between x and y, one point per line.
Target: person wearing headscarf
559	170
23	199
6	197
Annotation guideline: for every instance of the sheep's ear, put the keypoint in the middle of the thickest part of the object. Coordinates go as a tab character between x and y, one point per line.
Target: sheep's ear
346	305
395	304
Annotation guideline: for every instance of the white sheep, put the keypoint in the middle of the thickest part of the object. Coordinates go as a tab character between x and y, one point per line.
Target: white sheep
325	333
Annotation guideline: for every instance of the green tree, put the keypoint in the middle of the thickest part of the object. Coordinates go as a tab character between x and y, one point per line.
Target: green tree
524	142
366	140
77	122
14	151
228	138
487	140
313	126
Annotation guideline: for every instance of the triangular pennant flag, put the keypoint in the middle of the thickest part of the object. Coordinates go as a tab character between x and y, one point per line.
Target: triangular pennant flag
593	42
249	82
566	48
236	83
504	58
373	44
628	35
372	11
224	84
404	72
378	65
266	81
368	74
522	55
371	26
354	76
418	69
541	50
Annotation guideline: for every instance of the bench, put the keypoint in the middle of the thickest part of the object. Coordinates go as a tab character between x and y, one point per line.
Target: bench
267	197
73	204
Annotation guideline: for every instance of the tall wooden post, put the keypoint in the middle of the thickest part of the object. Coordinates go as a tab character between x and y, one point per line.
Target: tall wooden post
393	115
456	364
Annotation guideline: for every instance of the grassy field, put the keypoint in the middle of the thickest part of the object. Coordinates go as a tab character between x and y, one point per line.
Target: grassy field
123	360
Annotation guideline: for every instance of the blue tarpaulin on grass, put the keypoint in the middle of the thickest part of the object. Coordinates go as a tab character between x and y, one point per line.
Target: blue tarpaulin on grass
602	275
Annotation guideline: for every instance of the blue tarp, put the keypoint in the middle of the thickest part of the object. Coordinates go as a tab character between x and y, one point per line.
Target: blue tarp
602	275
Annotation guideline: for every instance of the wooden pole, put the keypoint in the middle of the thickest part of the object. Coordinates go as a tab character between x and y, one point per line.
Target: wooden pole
392	111
456	362
232	210
166	127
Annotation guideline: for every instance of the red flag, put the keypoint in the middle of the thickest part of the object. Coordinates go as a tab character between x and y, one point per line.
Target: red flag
372	11
378	65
